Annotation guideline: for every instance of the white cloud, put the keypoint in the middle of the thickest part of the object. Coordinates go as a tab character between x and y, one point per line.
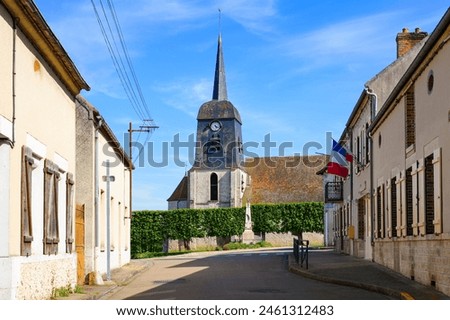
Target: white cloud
186	95
251	14
342	41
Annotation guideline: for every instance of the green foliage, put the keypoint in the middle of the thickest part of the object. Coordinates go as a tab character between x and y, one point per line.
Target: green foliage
294	217
149	229
64	292
224	222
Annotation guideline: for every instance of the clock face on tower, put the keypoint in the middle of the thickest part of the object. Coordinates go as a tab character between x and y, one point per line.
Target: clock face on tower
215	126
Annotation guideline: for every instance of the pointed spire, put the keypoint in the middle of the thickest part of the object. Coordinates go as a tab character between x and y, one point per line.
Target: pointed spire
220	84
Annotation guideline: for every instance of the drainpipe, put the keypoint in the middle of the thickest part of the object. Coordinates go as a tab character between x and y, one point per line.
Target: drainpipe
11	141
351	193
373	110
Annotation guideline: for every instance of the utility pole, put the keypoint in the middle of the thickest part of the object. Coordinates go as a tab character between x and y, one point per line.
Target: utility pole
143	128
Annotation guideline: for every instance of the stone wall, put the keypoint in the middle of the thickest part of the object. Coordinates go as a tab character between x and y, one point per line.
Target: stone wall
38	279
425	260
285	239
276	239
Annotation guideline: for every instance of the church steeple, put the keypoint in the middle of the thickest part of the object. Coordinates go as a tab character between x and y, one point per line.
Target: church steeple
220	84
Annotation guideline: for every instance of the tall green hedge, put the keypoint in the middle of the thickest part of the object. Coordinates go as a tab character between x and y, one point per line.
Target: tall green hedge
149	229
294	217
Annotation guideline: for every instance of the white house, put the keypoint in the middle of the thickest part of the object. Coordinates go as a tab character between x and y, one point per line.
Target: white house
96	144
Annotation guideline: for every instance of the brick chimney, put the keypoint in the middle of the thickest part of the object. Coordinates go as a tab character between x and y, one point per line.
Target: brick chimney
407	40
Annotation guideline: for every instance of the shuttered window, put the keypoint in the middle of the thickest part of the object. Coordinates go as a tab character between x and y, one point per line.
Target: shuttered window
361	215
69	212
429	195
410	118
379	213
394	207
26	181
51	226
409	202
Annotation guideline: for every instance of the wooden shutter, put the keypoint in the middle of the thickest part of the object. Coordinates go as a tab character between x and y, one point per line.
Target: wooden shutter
69	212
51	226
27	225
437	191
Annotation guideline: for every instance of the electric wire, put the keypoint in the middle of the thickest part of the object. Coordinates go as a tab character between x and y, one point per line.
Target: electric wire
132	88
127	56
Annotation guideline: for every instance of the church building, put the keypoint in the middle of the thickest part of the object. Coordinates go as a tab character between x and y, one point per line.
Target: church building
221	177
217	178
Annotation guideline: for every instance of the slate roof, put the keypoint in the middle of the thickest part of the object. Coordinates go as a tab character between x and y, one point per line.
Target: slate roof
285	179
181	191
220	83
218	110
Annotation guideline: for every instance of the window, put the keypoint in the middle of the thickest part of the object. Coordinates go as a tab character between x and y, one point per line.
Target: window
409	202
51	226
410	116
361	215
26	205
429	195
393	207
367	144
430	83
380	212
379	207
358	150
213	180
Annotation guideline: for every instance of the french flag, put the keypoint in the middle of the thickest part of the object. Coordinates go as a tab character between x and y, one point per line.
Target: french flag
340	158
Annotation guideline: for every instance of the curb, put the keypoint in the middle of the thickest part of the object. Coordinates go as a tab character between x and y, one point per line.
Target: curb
115	285
293	268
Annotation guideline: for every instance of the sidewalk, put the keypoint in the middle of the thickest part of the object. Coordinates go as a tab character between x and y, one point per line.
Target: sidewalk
329	266
119	277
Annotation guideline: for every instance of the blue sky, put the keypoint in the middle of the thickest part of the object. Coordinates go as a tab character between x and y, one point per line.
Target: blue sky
294	69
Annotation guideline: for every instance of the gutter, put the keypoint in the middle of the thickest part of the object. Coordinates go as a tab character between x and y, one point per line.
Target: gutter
12	140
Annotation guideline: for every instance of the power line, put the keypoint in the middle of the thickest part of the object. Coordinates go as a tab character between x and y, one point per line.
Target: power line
127	56
125	71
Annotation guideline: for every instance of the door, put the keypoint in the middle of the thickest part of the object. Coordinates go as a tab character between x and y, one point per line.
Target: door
79	243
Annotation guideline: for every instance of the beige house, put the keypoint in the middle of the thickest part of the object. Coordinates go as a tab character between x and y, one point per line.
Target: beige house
351	213
395	202
96	144
39	84
411	158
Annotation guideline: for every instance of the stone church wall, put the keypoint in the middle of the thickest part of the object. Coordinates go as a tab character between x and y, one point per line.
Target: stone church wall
276	239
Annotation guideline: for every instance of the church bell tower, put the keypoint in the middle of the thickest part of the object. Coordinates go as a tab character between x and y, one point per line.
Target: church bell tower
217	178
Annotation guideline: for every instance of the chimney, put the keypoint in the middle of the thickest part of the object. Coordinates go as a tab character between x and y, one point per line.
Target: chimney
407	40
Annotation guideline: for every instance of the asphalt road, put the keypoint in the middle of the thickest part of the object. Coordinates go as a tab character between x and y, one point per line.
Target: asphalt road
255	275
